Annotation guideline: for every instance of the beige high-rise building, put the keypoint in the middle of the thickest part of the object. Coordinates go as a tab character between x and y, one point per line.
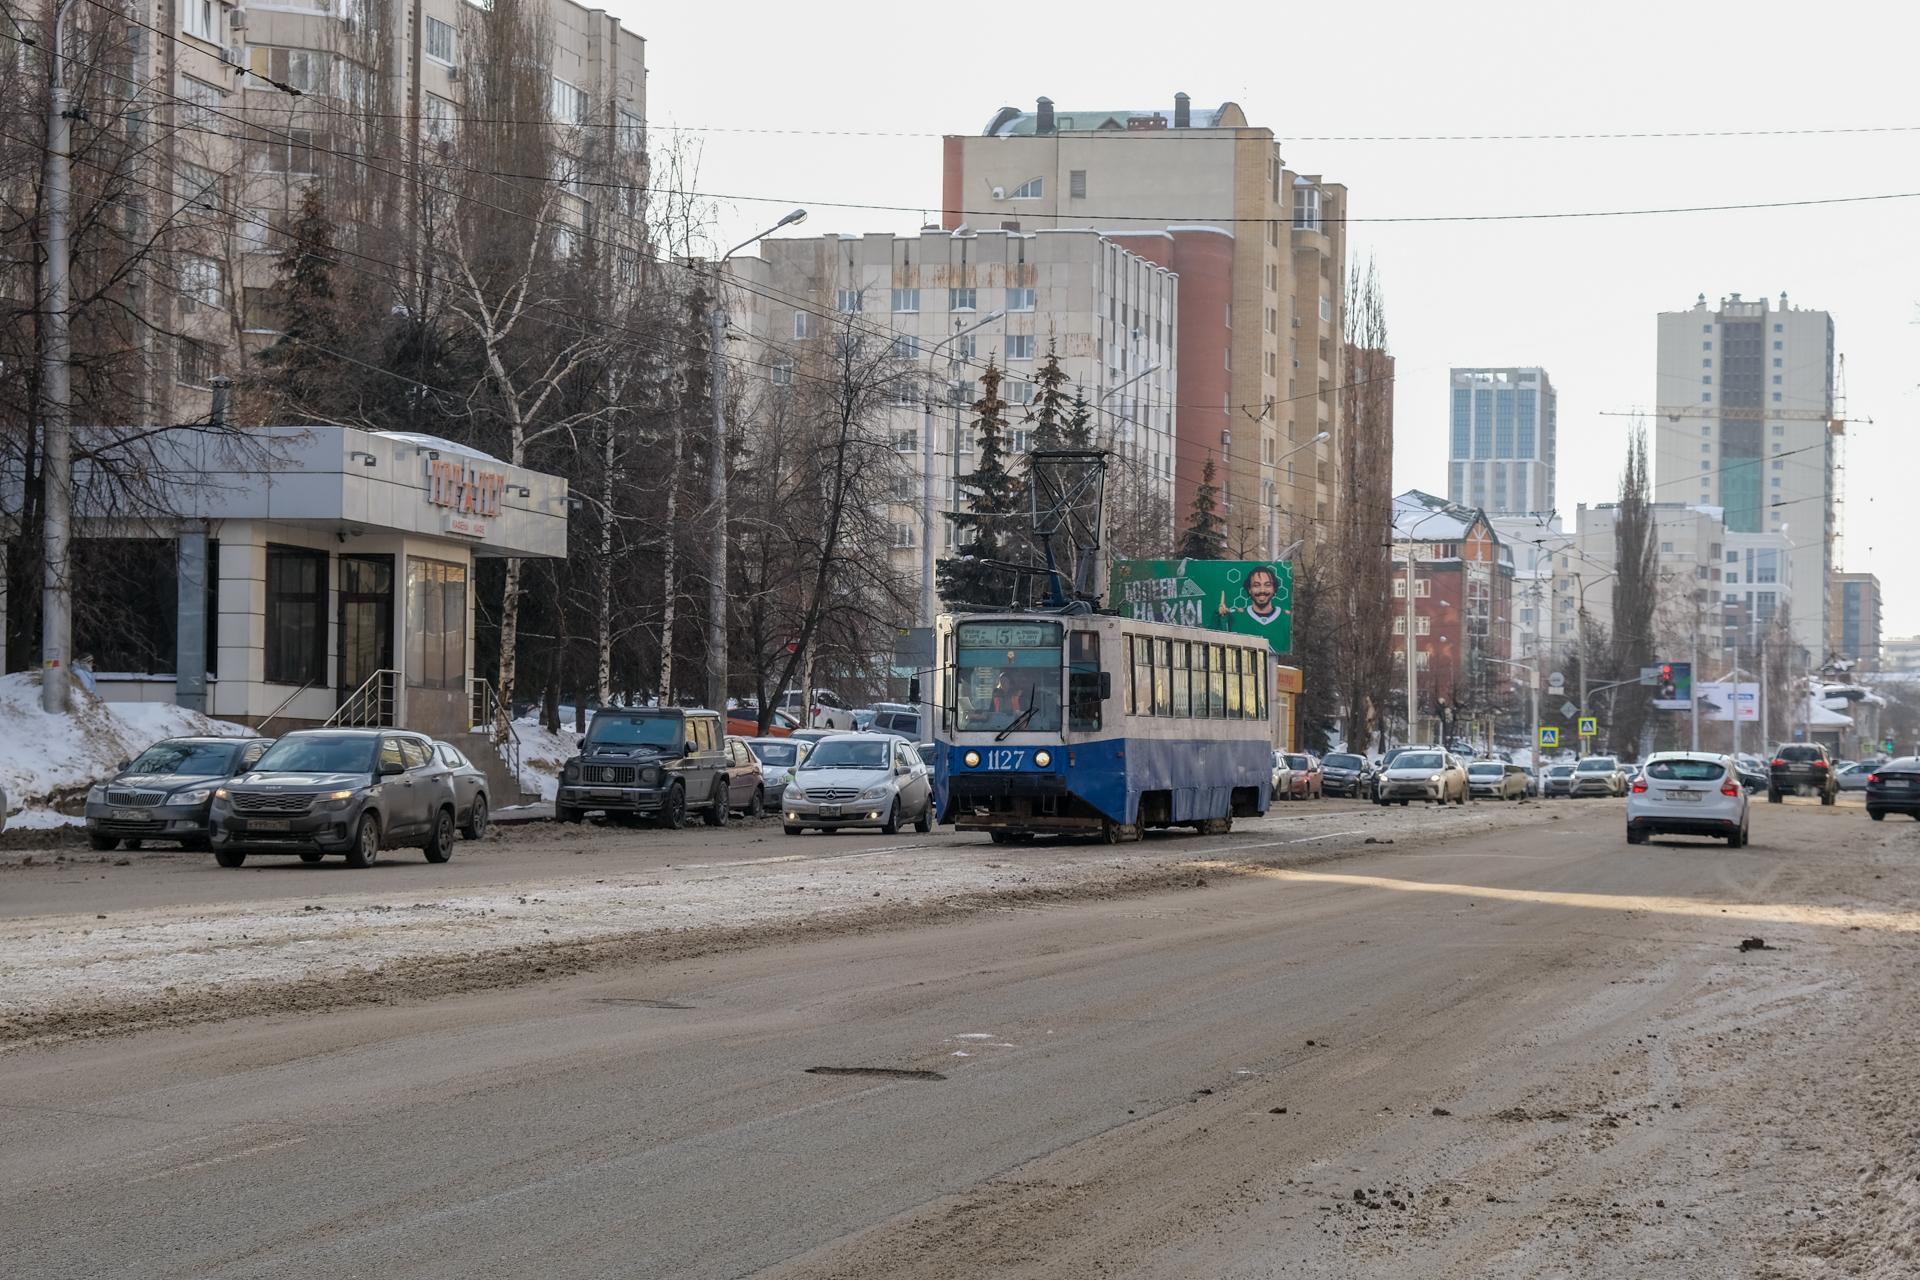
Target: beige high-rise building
1278	297
228	112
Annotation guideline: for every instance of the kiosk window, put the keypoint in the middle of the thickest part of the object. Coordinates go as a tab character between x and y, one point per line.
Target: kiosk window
436	624
296	615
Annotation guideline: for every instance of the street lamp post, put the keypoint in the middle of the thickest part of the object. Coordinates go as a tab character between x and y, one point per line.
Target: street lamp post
1585	675
56	468
927	462
1533	704
717	474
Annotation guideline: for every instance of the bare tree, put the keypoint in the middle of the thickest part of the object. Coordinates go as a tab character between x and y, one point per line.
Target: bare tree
1636	589
1364	512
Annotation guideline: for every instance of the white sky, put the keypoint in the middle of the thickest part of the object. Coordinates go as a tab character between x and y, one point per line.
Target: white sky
1578	296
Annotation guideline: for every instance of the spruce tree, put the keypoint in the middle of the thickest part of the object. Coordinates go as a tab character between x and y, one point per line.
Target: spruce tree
1205	535
988	528
1078	432
300	362
1050	415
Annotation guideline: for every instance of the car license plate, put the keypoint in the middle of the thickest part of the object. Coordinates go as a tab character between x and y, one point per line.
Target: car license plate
268	824
829	810
1690	797
1896	784
605	793
122	813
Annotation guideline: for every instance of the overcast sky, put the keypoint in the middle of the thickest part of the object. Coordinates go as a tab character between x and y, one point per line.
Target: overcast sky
1578	296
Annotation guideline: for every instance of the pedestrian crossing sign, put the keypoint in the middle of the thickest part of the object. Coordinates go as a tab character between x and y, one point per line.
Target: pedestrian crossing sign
1549	737
1589	726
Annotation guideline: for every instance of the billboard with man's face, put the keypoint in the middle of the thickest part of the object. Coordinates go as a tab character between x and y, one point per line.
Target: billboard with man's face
1247	597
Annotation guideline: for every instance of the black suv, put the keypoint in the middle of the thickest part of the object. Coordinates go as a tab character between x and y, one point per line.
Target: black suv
1801	767
656	762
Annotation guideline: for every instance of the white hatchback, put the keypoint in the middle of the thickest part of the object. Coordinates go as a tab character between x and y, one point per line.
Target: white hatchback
1687	793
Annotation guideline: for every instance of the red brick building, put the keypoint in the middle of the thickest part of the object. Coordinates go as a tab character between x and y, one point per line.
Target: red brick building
1462	613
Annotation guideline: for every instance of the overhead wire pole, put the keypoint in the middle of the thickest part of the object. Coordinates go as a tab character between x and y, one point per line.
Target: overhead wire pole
717	473
927	455
56	467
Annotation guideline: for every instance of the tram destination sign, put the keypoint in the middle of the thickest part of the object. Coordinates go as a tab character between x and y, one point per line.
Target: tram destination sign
1248	597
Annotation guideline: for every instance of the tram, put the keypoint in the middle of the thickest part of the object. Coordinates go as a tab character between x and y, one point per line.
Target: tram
1097	725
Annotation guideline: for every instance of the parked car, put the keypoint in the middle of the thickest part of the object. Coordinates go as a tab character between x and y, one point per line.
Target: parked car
862	719
1558	781
470	810
817	736
1802	768
1393	753
1894	787
1597	776
166	793
744	722
859	780
1688	793
927	752
896	718
778	757
1343	773
346	791
657	762
1497	780
825	710
1304	779
1754	773
1433	775
1282	779
746	782
1853	777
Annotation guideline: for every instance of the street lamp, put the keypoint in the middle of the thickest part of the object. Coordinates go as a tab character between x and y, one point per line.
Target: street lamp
1412	661
717	474
1273	517
927	455
1585	675
1533	708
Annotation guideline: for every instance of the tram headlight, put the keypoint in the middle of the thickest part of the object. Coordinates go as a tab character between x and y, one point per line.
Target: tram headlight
973	759
1043	758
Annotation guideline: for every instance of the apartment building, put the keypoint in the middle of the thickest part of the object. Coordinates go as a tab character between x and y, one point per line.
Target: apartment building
1854	632
1268	319
1756	584
1502	440
1689	567
1543	614
1463	588
1745	402
229	112
948	303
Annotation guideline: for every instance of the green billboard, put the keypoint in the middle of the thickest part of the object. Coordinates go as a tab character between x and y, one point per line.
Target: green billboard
1248	597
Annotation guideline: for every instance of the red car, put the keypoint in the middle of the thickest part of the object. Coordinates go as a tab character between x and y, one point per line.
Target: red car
1304	778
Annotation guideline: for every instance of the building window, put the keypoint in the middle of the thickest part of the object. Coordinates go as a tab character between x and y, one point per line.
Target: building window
1019	392
783	373
436	117
199	282
1306	208
1666	548
803	324
201	18
1706	397
1031	189
1019	346
282	151
296	622
907	441
1706	379
304	69
960	299
436	624
1706	346
569	103
1077	184
439	40
903	535
906	299
193	363
905	347
1020	299
265	310
633	133
847	301
1776	397
1707	363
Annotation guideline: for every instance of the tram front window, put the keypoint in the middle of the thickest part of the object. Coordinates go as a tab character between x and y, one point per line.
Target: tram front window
1008	673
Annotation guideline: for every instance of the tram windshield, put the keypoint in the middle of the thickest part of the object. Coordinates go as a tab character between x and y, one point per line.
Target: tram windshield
1008	674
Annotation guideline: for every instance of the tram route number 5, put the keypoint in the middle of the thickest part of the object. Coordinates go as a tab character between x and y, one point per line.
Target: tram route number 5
1005	758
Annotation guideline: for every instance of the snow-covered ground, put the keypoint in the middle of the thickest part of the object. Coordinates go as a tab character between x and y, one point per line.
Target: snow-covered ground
48	760
542	754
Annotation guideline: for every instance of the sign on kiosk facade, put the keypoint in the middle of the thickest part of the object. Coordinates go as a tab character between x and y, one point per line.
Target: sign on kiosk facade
320	565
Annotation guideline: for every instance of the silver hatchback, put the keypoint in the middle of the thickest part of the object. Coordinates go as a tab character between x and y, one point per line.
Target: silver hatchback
1688	793
859	780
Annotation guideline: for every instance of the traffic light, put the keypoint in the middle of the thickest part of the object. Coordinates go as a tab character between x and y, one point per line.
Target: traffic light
1668	689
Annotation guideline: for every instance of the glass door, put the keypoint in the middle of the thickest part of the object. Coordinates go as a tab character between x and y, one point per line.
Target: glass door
366	619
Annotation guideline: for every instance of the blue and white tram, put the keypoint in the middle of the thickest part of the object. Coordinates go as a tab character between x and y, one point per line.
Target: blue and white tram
1099	725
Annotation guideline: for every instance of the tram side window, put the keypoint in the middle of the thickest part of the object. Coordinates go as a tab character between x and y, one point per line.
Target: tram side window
1163	677
1142	683
1233	683
1182	698
1216	684
1250	683
1260	682
1083	680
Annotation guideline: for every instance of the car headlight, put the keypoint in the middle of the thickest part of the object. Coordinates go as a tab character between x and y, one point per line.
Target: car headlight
796	792
1043	758
877	793
1434	778
220	793
973	759
572	771
335	799
97	794
199	795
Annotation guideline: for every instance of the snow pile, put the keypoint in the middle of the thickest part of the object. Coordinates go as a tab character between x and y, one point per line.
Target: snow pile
48	760
542	753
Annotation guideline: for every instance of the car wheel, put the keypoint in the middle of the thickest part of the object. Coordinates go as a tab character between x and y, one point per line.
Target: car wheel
924	823
716	814
1636	837
757	805
309	855
566	813
1878	815
103	844
1738	840
673	809
476	827
366	842
1773	797
792	830
439	845
229	857
892	824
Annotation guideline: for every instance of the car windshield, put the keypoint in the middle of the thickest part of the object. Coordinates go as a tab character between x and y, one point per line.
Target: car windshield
635	731
1487	769
320	753
836	753
1599	764
1298	762
1799	753
1685	771
774	751
1340	760
1008	673
192	759
1419	760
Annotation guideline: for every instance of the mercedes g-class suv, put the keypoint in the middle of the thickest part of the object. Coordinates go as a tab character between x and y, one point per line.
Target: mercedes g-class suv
656	762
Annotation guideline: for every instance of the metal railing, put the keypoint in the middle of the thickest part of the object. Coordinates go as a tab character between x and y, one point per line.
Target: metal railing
274	714
373	705
496	721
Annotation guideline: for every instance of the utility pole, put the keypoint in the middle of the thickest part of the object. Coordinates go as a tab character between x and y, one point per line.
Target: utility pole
927	452
1693	701
1412	666
56	467
717	478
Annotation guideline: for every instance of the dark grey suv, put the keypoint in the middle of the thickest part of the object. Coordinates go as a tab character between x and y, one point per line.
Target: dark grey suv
657	762
345	791
166	792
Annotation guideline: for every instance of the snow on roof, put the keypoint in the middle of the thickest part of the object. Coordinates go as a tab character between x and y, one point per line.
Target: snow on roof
1816	716
1423	517
437	442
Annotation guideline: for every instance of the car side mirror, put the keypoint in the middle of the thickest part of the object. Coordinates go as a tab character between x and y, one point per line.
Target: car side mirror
124	764
1106	685
390	768
692	746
